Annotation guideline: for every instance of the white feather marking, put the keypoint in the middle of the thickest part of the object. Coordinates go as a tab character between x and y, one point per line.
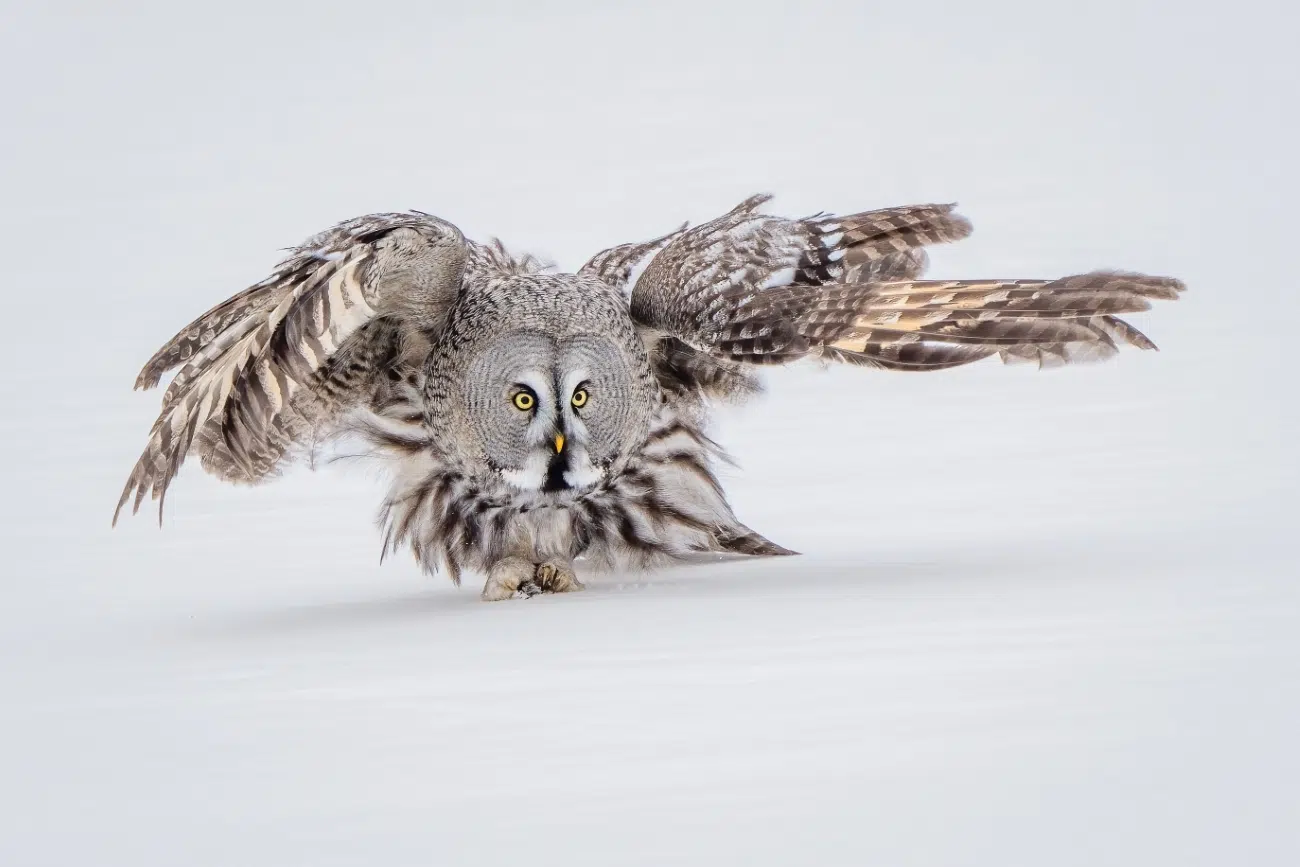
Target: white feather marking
782	277
310	354
349	310
532	476
572	379
677	442
736	277
271	386
582	473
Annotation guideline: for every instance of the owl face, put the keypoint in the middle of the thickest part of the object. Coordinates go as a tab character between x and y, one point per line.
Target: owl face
551	414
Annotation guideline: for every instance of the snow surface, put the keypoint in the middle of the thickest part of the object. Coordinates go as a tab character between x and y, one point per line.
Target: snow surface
1042	618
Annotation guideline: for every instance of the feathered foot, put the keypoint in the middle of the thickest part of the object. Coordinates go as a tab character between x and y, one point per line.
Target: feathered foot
507	577
517	578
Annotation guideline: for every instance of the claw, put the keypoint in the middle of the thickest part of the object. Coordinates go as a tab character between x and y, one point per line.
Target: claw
557	578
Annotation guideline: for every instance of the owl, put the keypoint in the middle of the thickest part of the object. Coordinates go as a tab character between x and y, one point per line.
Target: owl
531	419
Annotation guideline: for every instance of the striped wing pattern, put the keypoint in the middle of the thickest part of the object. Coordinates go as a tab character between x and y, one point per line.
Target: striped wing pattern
930	325
735	286
757	289
267	369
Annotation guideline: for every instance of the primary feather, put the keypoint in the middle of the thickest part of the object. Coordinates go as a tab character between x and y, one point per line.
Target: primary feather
274	365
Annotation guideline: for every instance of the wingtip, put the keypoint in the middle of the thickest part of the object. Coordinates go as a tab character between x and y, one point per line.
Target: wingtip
162	500
753	203
121	501
146	380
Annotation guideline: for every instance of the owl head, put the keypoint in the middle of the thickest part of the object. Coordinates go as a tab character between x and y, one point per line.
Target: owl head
548	393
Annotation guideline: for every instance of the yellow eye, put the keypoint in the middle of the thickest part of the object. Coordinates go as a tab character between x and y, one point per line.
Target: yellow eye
580	398
524	400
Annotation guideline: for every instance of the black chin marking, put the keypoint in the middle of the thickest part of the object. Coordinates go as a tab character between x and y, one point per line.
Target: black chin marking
555	471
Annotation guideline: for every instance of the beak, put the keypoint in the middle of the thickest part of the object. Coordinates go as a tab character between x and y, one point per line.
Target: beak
559	443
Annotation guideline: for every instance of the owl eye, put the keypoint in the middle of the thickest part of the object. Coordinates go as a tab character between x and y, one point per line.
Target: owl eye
579	398
524	400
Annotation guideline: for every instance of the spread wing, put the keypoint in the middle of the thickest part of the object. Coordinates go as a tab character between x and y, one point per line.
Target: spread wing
750	288
279	363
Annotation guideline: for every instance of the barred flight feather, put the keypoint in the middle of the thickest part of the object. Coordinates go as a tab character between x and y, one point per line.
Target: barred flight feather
918	325
265	371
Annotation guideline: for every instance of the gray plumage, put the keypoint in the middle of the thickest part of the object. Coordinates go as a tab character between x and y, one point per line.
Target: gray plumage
534	418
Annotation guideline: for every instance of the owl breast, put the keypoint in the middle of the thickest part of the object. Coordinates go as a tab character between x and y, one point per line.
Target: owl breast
663	504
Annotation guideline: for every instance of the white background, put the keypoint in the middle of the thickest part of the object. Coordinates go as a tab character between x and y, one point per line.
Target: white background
1042	618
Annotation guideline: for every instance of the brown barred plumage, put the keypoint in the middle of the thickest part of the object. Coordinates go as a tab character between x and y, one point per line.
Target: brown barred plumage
665	505
919	325
269	368
615	265
735	286
532	419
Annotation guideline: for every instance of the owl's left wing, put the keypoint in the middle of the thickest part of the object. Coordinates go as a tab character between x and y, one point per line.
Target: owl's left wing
751	288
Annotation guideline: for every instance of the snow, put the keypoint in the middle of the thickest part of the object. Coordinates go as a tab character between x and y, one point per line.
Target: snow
1041	618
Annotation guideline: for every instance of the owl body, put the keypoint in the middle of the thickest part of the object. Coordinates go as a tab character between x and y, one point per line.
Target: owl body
532	420
640	494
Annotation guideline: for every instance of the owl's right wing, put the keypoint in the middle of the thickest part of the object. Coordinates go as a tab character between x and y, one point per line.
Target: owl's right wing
281	362
751	288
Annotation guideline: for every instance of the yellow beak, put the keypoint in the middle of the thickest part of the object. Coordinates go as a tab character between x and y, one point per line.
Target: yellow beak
559	443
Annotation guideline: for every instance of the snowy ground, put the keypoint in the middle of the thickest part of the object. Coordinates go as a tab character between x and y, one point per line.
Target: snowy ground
1042	618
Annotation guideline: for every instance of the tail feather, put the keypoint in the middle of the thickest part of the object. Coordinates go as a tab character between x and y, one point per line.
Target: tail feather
751	544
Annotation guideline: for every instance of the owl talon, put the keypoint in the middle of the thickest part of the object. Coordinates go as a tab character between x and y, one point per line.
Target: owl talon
508	578
555	576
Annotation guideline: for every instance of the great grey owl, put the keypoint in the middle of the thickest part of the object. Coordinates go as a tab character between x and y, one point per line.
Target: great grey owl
534	418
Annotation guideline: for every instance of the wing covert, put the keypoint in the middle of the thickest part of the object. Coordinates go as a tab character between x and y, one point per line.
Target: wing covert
736	286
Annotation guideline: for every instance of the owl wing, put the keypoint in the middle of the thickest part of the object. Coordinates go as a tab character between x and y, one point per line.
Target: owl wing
615	265
750	288
279	363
